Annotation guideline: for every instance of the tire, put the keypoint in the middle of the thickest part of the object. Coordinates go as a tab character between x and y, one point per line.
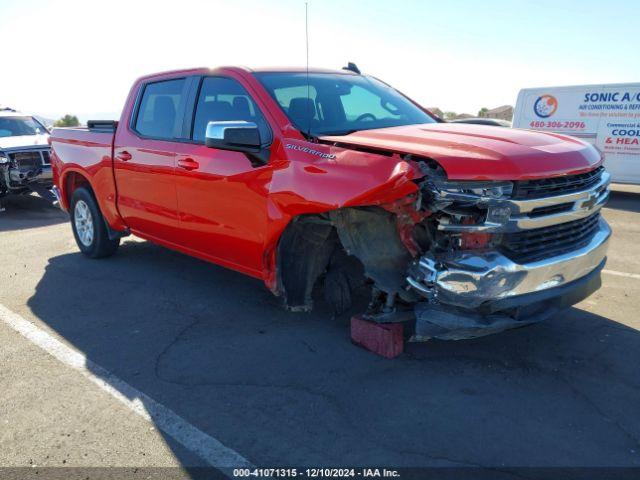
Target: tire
89	226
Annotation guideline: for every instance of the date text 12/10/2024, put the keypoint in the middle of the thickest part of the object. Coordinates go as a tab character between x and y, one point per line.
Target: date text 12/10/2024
315	473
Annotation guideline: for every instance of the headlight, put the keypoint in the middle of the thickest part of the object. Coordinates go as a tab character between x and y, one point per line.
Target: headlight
483	202
475	190
3	160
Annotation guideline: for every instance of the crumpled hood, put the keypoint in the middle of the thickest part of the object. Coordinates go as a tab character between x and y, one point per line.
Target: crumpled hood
480	152
24	141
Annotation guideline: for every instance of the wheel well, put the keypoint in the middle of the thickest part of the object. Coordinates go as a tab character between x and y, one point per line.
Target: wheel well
346	245
304	252
73	180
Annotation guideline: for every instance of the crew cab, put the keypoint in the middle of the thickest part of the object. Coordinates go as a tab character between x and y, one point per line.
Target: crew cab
332	178
24	154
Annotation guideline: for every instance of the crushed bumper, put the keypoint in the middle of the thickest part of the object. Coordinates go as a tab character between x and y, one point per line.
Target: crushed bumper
452	323
489	281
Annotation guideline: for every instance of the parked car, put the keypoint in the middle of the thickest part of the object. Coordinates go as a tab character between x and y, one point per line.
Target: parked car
603	115
334	178
494	122
24	154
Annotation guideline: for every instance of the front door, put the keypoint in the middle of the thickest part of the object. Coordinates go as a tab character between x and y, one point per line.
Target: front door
222	197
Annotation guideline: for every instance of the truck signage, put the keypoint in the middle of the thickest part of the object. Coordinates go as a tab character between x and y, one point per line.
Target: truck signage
607	116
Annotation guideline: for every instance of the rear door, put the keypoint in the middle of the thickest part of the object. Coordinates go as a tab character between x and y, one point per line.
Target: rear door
222	195
144	160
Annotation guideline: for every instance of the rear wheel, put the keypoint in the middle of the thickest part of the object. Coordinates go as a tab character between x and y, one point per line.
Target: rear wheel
89	227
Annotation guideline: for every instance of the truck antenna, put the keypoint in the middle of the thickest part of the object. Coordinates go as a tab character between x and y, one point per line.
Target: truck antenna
352	67
306	35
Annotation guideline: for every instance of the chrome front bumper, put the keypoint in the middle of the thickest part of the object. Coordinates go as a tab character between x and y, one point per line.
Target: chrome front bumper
470	279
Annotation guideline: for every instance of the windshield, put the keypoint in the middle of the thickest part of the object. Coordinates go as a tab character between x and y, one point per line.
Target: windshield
335	104
17	126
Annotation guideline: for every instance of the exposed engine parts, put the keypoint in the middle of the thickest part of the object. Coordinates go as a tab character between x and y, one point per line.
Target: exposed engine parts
25	162
23	171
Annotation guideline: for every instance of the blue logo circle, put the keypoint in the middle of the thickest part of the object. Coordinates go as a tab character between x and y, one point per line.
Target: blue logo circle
545	106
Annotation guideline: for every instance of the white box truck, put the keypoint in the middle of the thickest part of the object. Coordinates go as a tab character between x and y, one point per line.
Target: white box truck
607	116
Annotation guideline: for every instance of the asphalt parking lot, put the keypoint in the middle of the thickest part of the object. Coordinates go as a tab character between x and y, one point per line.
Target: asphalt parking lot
215	348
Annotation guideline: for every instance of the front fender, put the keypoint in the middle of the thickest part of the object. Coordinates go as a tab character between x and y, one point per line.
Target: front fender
312	184
327	179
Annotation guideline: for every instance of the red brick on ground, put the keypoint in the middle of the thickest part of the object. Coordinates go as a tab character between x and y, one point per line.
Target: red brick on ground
384	339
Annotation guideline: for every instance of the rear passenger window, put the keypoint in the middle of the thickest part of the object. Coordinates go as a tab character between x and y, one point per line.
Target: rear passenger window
157	114
224	99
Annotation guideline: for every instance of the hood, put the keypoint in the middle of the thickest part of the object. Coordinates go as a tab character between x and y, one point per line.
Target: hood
24	141
480	152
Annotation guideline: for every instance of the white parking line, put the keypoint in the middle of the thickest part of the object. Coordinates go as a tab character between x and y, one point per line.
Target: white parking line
206	447
622	274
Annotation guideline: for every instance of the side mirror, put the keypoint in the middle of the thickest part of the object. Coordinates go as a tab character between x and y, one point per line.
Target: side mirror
235	135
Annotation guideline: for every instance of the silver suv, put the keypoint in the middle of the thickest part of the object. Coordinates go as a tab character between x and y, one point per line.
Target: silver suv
25	164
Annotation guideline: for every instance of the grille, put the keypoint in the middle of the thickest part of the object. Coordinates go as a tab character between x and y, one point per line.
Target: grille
549	187
551	209
541	243
26	161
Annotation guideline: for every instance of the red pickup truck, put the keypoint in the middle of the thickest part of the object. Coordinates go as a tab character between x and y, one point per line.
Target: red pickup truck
335	178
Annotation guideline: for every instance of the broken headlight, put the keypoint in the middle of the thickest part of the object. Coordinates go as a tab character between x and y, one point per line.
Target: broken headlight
470	190
470	205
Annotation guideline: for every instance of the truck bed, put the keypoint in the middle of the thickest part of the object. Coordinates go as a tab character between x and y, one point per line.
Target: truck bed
86	153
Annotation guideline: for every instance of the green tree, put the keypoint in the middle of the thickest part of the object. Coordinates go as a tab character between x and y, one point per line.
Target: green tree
450	115
67	121
483	112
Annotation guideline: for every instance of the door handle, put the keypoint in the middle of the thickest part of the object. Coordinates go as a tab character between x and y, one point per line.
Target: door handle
188	164
124	156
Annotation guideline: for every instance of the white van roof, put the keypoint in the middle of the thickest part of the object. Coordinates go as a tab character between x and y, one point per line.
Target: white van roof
592	85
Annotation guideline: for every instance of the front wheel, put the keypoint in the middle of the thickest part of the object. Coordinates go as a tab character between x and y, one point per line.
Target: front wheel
89	227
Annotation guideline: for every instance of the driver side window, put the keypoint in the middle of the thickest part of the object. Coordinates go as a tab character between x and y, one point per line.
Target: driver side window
224	99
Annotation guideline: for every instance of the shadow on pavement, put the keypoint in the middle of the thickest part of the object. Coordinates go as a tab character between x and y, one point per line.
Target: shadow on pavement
290	389
627	201
29	211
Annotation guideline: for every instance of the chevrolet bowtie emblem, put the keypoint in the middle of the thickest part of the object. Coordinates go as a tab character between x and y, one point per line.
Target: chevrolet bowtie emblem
589	204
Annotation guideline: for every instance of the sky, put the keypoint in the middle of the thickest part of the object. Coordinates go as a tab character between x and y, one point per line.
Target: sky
81	57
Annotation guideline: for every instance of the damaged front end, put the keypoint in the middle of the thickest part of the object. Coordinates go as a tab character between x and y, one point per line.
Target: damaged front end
348	247
461	259
506	254
23	171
